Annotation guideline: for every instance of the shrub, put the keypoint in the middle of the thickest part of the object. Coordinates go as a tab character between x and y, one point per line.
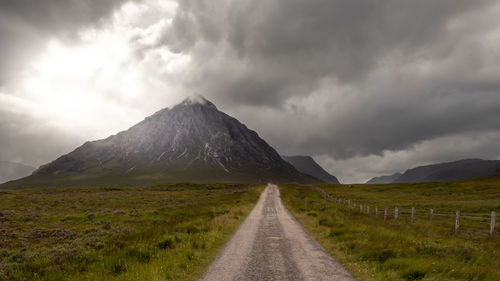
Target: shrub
325	222
191	229
413	275
167	243
217	213
337	232
380	255
118	267
139	255
312	214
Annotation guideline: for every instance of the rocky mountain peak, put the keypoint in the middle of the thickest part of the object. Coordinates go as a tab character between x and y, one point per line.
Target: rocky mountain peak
192	141
196	100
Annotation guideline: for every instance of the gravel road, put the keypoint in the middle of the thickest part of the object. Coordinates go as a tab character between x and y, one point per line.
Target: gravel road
272	245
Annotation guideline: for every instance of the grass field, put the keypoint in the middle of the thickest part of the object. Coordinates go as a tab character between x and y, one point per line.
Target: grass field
169	232
374	249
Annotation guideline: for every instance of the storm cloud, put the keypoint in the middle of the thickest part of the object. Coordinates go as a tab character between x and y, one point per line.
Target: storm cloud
366	87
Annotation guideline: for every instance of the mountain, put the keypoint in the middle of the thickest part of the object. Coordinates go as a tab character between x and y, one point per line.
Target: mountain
307	165
12	171
384	179
190	142
451	171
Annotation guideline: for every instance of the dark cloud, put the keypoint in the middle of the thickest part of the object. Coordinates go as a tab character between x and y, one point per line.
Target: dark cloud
281	48
407	66
25	26
351	82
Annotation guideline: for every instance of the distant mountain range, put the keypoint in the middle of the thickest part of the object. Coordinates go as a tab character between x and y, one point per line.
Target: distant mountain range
307	165
451	171
384	179
190	142
12	171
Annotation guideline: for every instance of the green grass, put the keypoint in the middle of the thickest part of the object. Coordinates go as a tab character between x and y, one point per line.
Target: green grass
169	232
374	249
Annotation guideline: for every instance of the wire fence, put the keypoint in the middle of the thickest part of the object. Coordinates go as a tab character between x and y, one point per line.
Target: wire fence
458	218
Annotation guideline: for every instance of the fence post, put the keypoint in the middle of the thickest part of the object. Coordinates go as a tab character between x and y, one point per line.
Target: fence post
457	220
368	210
396	213
376	212
349	203
385	214
360	208
412	214
493	219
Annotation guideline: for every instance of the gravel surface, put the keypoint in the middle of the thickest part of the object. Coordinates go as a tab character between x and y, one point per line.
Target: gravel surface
272	245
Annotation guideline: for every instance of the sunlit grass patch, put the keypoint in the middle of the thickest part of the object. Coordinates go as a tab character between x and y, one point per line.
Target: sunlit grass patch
374	249
169	232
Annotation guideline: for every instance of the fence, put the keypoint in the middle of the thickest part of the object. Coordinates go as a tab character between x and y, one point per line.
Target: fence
431	214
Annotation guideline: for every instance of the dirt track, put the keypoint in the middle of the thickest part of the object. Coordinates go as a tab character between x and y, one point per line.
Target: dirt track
272	245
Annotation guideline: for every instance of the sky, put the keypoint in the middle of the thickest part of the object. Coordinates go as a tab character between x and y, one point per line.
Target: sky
367	88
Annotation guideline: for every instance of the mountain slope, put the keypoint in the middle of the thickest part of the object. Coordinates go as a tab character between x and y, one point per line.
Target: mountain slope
384	179
451	171
11	171
307	165
192	141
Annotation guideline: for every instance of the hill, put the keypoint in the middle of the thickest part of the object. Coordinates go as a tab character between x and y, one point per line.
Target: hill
384	179
444	172
12	171
451	171
307	165
190	142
